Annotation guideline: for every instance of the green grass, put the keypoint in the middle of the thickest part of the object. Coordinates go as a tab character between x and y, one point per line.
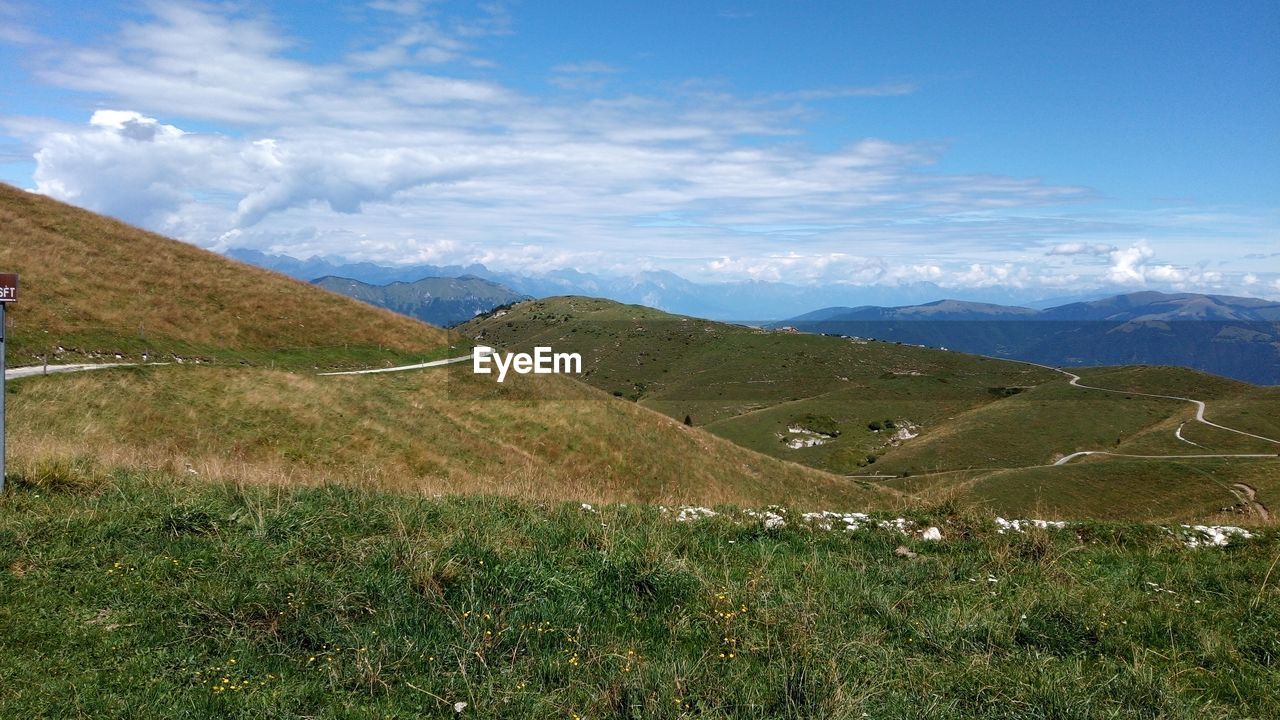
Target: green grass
152	599
1124	488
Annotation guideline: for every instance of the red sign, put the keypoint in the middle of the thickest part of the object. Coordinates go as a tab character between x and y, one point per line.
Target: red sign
8	287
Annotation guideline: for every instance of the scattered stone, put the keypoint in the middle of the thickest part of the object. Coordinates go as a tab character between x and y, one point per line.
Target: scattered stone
903	551
1215	535
689	514
932	534
1002	525
774	521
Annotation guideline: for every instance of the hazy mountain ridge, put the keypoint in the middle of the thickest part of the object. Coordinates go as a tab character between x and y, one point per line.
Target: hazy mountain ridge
436	300
1233	336
743	300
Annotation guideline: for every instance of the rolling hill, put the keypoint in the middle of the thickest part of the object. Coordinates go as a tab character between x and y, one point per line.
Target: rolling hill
878	410
1233	336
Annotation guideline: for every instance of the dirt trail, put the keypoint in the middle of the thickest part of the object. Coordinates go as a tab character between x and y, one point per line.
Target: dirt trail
35	370
1251	498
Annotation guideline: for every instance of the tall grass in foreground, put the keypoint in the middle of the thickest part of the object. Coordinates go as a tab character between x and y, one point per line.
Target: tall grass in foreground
135	597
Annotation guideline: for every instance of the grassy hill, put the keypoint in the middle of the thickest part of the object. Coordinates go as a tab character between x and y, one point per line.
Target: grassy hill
866	408
95	288
154	600
439	431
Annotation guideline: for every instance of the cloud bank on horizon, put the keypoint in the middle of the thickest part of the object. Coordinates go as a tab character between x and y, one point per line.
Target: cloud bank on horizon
421	132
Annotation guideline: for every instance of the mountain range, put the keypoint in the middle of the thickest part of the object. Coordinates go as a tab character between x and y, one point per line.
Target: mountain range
1233	336
443	301
755	300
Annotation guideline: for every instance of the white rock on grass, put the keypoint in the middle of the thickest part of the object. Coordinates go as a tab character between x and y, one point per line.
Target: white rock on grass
1003	526
1213	535
932	534
774	521
688	514
902	525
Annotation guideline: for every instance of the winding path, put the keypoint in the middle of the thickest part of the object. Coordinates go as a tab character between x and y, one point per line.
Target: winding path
1251	499
1178	434
1075	380
1064	460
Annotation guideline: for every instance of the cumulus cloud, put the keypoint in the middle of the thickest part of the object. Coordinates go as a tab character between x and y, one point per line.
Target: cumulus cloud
1133	266
132	166
1127	264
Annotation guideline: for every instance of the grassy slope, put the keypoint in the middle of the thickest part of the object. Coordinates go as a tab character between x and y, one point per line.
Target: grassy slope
193	601
748	386
1184	490
439	431
98	287
1231	403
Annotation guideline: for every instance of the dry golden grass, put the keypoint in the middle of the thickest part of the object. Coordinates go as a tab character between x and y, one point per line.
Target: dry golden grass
99	285
437	431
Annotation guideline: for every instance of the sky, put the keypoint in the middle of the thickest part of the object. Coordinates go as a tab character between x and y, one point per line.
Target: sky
1047	148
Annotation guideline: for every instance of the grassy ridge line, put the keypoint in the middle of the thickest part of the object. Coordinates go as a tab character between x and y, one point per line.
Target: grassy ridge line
747	384
438	431
196	601
98	287
750	387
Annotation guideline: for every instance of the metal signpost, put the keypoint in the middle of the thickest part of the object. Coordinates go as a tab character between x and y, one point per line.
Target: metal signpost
8	294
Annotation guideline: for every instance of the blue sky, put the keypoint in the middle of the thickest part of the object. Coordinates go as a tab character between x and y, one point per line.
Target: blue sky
1048	148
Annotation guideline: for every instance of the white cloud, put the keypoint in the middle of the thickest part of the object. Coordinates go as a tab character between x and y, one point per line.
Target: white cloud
1165	274
1081	248
1131	266
1127	264
376	157
832	267
132	166
987	276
